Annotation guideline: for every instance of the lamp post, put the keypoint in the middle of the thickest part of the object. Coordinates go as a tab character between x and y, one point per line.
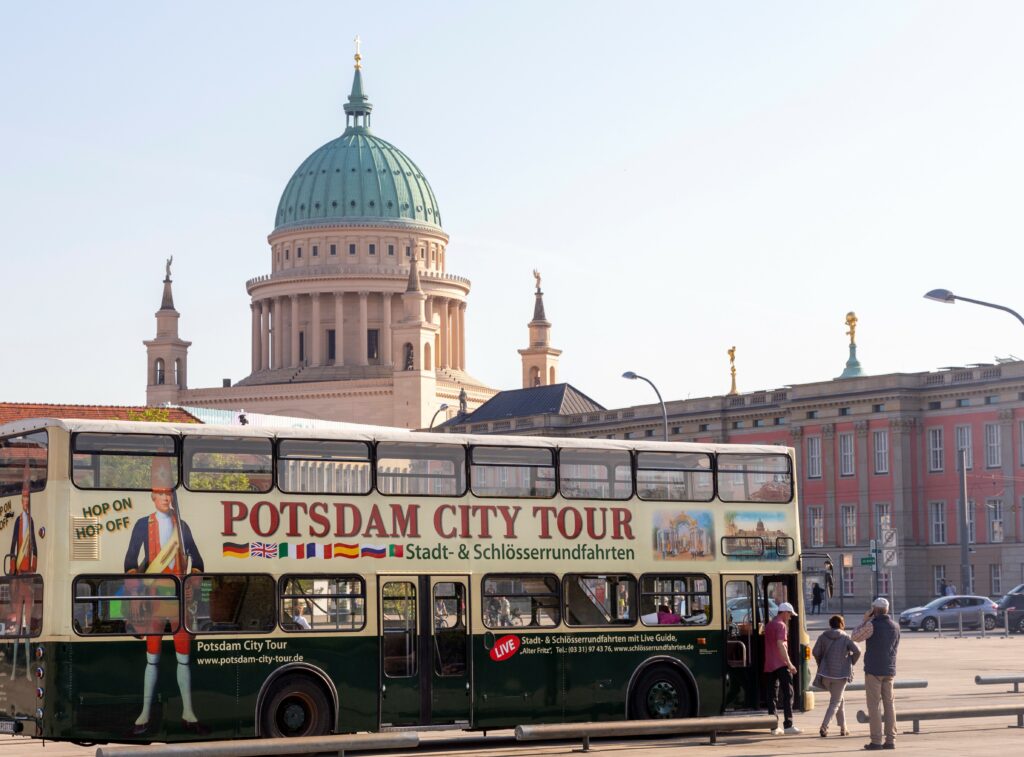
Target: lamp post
946	296
664	413
436	412
444	406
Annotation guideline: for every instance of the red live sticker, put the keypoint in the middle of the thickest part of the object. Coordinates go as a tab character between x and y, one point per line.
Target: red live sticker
504	648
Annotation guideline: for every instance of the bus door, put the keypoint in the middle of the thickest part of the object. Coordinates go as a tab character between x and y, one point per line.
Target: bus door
424	649
773	591
743	652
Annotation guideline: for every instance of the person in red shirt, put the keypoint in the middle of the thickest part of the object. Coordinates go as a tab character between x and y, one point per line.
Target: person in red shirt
780	668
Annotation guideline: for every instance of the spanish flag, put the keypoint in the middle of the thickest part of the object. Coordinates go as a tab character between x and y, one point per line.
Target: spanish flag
346	550
236	550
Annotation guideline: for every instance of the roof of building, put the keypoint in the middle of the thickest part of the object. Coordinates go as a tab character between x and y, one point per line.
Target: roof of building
357	179
556	399
16	411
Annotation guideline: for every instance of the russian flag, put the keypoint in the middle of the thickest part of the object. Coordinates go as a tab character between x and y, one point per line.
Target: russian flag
373	550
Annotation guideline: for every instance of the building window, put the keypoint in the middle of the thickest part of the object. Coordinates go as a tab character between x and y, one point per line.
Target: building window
963	442
964	402
408	252
286	253
938	576
334	249
934	405
995	575
351	249
812	414
758	422
881	440
884	583
391	250
316	251
675	430
972	532
844	411
937	515
878	408
423	254
298	252
936	456
849	515
332	345
847	580
816	525
779	421
372	343
846	454
991	399
702	427
970	587
883	517
993	445
737	424
813	457
373	249
649	432
994	508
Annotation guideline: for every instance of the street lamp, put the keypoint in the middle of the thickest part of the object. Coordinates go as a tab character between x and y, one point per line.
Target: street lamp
444	406
946	296
664	413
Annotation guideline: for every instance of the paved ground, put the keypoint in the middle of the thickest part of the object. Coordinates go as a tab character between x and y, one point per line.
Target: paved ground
949	665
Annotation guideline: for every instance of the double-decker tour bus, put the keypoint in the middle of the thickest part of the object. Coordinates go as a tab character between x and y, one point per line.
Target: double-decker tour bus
170	582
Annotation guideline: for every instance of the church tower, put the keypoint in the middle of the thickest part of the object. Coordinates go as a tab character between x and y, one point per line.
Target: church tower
413	338
167	354
540	359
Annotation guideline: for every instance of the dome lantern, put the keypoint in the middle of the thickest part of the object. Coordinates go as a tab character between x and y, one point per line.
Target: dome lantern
358	107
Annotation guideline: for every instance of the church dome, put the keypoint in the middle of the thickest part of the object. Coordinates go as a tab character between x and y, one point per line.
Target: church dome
358	179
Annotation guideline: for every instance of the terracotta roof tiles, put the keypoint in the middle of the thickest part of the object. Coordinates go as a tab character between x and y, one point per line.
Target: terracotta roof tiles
15	411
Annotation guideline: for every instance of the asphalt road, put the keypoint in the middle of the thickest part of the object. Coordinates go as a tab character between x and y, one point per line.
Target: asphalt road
949	665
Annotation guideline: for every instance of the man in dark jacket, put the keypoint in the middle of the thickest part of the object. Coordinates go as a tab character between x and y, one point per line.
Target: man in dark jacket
882	637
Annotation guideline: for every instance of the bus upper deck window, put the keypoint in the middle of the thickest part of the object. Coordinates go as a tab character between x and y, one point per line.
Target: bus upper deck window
594	474
422	468
121	461
512	471
228	464
754	477
18	453
323	466
678	476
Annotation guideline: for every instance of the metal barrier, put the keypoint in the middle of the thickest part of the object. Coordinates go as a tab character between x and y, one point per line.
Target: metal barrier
1016	680
256	747
941	713
586	731
909	683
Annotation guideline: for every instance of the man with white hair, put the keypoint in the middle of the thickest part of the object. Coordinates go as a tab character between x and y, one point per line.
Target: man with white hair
882	637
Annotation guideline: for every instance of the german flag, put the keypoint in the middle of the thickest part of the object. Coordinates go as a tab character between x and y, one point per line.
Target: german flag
346	550
236	550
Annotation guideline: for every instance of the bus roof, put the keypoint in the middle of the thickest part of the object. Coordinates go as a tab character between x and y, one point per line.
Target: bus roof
358	432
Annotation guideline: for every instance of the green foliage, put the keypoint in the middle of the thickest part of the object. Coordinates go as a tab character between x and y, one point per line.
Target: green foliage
151	414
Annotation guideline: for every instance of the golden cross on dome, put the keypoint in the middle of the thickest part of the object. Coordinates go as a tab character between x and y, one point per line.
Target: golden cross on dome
358	57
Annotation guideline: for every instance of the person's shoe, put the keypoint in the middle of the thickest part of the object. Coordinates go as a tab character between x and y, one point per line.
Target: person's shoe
777	731
872	746
196	727
844	732
139	729
823	732
889	745
792	731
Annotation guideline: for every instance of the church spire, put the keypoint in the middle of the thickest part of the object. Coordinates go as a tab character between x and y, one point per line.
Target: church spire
540	359
167	302
358	107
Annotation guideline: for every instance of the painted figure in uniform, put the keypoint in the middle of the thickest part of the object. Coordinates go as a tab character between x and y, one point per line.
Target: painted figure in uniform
163	543
23	560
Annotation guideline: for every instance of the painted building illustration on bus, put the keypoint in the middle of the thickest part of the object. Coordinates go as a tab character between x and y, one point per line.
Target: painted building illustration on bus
756	535
683	535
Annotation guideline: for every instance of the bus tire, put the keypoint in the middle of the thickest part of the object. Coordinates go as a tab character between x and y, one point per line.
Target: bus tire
295	706
661	693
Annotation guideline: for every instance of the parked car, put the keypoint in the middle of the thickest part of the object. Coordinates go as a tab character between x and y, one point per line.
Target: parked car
947	612
1011	609
739	610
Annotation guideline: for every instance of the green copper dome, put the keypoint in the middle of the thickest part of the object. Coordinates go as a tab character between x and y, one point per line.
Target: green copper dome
358	179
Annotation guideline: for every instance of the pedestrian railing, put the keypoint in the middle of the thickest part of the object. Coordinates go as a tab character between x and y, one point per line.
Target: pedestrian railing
941	713
586	731
1016	680
340	744
909	683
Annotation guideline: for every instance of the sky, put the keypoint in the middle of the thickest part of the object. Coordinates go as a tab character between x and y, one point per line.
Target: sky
686	177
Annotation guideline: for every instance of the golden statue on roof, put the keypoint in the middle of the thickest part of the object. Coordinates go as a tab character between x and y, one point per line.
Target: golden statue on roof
732	369
851	321
358	57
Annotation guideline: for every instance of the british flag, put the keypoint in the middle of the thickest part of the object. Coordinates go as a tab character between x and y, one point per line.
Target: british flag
262	549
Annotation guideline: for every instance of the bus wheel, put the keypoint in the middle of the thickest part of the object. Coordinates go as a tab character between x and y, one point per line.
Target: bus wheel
295	706
661	693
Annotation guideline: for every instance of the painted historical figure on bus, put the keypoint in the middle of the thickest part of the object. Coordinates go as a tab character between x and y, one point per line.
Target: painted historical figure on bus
683	535
163	543
22	560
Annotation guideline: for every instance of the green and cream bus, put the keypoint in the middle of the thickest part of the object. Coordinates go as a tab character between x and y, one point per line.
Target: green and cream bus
169	582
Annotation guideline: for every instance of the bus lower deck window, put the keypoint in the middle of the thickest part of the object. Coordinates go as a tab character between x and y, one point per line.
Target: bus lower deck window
514	601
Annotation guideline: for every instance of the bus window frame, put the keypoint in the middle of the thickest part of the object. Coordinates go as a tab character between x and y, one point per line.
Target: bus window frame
281	597
635	604
187	470
712	470
175	457
377	477
788	472
674	577
32	487
198	577
371	461
555	484
484	596
632	475
179	589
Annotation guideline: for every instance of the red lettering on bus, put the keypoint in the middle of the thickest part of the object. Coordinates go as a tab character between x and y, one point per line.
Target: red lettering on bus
233	512
504	648
254	518
375	524
344	512
464	513
509	514
544	512
621	528
291	510
318	514
570	531
485	512
405	521
592	522
439	527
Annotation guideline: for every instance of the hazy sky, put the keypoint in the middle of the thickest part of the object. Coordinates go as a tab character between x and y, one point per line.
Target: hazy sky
686	176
